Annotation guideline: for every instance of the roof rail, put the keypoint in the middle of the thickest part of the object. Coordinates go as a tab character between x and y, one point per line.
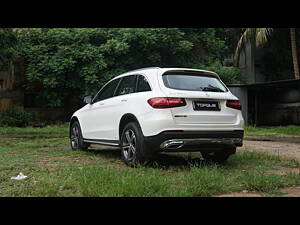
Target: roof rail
146	68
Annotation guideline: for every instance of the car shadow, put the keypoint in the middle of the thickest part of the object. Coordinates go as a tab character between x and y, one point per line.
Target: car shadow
161	161
166	161
108	152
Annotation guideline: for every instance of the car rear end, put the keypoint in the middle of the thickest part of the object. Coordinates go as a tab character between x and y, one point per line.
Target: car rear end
196	110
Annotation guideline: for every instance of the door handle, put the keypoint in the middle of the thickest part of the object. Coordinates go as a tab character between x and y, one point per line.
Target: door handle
101	103
124	100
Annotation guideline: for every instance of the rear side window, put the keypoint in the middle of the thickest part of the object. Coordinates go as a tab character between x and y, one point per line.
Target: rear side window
127	85
193	82
107	91
142	84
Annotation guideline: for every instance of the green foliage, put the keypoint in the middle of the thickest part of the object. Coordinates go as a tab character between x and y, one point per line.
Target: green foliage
228	74
15	118
207	46
8	42
231	37
67	62
259	181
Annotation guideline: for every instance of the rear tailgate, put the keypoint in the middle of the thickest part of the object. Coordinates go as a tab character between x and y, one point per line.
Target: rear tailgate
203	108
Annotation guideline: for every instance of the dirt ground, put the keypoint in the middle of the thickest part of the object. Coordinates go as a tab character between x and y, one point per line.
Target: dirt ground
289	192
285	146
280	148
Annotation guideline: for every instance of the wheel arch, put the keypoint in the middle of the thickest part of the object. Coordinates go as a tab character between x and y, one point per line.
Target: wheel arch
125	119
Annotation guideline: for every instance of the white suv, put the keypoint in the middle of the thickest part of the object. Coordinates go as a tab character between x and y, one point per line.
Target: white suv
153	110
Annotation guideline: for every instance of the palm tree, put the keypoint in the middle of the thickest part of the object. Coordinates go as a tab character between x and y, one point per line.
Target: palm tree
294	52
261	36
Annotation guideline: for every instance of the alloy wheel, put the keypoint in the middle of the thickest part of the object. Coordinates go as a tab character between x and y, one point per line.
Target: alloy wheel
75	137
129	145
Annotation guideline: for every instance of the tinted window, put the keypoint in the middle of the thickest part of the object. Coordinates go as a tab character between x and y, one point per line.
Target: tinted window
127	85
142	84
193	82
107	91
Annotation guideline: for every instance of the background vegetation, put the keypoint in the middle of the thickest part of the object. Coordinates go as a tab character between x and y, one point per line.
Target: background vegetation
61	63
80	60
16	118
76	62
8	41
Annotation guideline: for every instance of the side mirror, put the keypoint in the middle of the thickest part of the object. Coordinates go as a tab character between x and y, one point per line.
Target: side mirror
88	100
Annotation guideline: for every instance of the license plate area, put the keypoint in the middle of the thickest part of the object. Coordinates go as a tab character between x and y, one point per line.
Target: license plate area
206	106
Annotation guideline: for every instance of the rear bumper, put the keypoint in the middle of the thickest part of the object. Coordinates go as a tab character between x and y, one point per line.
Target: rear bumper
195	140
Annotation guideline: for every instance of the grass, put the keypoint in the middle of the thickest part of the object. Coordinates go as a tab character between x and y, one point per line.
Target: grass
52	130
271	131
43	154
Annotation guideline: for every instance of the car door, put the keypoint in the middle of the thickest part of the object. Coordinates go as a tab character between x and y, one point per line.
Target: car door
96	118
124	101
113	108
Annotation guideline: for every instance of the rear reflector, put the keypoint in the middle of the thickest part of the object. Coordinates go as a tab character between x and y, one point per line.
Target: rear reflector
172	131
162	103
235	104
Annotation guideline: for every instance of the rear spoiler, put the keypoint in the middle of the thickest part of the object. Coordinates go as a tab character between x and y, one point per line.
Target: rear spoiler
192	71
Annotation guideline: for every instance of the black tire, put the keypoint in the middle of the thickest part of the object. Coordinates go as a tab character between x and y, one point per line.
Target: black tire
218	156
76	139
133	149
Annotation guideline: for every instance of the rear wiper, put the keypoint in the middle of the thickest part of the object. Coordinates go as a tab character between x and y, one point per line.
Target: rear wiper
214	89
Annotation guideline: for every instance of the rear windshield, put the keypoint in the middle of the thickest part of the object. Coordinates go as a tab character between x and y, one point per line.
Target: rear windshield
193	82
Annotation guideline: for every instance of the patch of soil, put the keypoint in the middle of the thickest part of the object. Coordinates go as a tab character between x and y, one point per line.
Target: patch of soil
286	149
14	153
291	191
283	171
276	138
50	161
241	194
47	161
288	192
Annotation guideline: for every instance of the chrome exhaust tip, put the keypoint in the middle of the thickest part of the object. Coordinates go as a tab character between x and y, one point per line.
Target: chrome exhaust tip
172	144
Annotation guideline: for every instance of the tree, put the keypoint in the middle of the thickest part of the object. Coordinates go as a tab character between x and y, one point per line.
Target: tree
8	41
69	62
230	36
261	36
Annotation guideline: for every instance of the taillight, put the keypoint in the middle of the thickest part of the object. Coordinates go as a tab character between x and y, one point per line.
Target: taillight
235	104
162	103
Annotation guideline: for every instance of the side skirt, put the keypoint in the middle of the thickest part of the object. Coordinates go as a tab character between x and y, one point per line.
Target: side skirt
102	142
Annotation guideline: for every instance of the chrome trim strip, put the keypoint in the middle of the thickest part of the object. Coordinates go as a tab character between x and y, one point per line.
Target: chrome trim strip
101	142
179	143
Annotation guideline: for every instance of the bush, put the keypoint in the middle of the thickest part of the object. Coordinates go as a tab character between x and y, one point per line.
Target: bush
16	118
228	74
